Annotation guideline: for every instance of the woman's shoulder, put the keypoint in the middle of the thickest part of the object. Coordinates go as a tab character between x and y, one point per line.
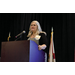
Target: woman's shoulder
43	34
43	39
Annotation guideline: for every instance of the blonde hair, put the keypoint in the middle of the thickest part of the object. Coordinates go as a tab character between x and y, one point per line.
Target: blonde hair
39	30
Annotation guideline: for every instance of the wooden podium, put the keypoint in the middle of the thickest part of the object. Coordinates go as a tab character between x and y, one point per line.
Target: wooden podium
21	51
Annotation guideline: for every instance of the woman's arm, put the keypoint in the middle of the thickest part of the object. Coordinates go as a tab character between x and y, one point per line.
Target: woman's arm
42	42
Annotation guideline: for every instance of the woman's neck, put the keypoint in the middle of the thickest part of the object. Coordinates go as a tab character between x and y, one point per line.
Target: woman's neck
34	33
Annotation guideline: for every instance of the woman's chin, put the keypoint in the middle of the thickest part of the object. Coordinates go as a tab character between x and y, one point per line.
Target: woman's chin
33	30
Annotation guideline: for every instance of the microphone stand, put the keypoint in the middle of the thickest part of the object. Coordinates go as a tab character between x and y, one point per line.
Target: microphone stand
18	38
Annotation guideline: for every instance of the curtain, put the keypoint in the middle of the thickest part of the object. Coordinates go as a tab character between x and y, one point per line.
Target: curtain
62	23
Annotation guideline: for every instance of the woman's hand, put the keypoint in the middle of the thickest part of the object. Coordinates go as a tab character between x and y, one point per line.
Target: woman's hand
40	47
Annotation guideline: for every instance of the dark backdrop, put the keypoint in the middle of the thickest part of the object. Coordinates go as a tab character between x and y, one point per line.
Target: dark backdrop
63	24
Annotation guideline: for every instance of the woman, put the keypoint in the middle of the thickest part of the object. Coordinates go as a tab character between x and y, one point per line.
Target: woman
37	35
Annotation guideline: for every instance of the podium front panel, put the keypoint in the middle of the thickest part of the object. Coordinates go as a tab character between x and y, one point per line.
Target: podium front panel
21	51
35	54
15	51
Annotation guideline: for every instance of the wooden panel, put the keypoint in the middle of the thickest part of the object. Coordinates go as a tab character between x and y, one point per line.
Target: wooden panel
15	51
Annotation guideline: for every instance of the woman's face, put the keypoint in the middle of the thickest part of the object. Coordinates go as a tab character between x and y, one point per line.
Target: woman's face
33	27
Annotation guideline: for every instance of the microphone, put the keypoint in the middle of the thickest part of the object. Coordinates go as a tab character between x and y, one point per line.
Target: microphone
20	34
